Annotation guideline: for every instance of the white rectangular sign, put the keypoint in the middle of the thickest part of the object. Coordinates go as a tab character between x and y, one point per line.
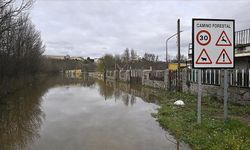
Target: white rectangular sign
213	43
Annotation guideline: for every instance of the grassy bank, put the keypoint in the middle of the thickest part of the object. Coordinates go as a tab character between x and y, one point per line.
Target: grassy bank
213	133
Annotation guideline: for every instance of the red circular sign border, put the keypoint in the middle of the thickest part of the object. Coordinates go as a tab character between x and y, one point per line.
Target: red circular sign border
197	37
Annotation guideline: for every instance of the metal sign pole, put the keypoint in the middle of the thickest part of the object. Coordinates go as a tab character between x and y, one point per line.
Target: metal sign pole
199	97
225	94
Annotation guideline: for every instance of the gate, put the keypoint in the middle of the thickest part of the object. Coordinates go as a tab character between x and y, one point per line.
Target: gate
173	80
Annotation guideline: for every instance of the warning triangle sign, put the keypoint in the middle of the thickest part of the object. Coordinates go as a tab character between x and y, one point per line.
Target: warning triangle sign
223	58
203	58
223	40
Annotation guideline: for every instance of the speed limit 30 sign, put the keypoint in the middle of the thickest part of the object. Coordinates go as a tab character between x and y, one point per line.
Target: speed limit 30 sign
213	43
203	37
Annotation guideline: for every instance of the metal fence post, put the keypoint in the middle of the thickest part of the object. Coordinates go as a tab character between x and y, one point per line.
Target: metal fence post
210	76
236	77
214	76
219	77
242	76
249	78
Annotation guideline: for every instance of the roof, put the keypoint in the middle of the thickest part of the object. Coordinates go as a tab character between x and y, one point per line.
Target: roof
58	57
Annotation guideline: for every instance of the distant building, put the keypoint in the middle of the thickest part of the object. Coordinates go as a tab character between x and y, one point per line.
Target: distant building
77	58
96	60
67	57
57	57
242	50
90	60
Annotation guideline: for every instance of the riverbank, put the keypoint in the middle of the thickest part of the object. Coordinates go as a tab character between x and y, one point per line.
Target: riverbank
10	85
213	132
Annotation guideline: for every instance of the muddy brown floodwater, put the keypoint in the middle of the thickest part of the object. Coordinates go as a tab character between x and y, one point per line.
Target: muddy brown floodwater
60	113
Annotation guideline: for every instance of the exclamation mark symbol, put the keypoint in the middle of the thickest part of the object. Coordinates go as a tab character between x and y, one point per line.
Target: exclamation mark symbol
223	55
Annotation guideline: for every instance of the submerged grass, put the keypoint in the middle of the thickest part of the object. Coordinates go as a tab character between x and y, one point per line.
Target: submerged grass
213	133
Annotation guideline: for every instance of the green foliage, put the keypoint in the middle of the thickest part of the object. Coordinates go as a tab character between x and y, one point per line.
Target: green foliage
107	62
100	65
213	133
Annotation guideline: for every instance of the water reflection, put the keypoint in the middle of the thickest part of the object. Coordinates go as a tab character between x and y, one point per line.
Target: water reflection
20	119
71	112
21	115
126	92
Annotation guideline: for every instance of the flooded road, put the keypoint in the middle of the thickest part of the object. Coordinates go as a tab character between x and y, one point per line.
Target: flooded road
82	114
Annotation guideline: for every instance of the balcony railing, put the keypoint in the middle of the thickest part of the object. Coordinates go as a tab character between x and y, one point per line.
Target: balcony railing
242	37
190	48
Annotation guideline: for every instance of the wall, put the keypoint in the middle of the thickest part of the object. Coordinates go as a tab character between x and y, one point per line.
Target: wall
235	94
242	63
154	83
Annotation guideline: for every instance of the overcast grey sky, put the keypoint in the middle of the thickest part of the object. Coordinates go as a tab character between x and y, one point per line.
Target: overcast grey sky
93	28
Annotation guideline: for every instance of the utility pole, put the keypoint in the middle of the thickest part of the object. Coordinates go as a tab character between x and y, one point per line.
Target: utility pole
179	53
167	47
167	54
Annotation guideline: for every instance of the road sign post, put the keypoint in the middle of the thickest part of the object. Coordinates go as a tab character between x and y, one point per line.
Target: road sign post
199	97
225	94
213	48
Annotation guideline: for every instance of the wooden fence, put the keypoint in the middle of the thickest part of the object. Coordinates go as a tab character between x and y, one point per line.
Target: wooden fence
157	75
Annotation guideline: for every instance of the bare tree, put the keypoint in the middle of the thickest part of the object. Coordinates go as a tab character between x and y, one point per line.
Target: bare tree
150	57
8	10
183	59
126	56
21	46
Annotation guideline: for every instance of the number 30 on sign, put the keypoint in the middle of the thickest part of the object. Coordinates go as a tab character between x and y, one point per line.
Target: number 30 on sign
203	37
